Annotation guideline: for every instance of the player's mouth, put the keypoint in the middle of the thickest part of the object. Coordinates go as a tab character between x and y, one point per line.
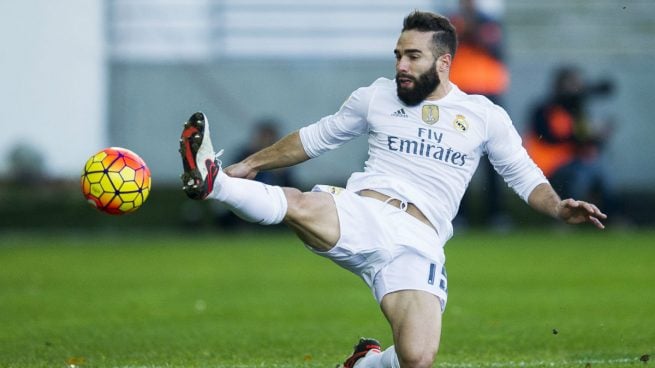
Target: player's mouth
405	82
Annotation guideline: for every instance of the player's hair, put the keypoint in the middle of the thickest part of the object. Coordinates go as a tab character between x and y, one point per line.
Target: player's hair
444	38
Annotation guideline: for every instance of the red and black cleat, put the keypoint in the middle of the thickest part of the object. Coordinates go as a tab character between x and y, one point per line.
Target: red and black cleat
360	350
198	158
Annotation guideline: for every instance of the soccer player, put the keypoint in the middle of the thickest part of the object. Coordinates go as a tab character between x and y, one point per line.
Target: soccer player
391	222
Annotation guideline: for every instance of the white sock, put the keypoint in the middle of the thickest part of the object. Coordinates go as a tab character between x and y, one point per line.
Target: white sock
375	359
251	200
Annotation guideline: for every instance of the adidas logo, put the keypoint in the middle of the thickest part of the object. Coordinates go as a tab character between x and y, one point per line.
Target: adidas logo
400	114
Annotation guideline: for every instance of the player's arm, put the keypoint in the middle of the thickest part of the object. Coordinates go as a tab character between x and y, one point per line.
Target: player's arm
311	141
511	161
544	199
286	152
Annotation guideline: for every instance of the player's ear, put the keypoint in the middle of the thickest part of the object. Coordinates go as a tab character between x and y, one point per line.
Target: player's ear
443	63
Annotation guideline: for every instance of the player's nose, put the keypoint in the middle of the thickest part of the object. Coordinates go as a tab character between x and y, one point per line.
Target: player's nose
402	66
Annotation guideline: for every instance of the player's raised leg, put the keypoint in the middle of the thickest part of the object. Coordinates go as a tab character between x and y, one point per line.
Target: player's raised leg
312	216
203	178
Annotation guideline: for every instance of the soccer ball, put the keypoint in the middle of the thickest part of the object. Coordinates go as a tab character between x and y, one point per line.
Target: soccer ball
115	181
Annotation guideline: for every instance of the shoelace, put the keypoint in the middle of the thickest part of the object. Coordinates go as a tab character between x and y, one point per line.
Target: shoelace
217	155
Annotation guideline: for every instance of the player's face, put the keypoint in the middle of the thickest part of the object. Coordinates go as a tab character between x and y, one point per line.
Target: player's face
416	67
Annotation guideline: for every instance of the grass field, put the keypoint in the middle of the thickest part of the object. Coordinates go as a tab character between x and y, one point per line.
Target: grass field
535	299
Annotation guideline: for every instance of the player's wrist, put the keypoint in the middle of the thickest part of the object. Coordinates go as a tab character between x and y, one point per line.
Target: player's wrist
559	210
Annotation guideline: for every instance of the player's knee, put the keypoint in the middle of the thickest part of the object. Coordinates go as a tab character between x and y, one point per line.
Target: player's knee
417	362
307	207
298	205
415	358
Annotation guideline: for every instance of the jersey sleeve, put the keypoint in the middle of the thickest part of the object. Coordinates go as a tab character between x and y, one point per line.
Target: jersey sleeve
334	130
509	157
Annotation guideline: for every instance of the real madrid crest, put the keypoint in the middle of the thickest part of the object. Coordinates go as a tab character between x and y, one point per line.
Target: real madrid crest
430	114
460	123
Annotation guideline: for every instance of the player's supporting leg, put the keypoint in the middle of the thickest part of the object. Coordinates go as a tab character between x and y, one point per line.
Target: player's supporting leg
415	318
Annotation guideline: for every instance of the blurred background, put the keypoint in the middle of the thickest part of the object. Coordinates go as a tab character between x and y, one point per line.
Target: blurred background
81	75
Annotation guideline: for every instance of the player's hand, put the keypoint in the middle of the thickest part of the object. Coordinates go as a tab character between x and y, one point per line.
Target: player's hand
576	212
240	170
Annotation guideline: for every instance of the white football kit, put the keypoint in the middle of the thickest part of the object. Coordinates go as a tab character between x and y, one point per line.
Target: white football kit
425	154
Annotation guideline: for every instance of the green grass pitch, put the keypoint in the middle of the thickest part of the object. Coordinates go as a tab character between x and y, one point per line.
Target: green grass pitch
524	299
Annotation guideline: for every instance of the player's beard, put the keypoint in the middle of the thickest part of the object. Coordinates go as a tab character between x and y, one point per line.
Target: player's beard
423	86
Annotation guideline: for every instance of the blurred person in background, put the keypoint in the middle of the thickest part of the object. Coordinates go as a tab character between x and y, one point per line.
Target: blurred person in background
479	68
26	165
264	133
565	143
390	224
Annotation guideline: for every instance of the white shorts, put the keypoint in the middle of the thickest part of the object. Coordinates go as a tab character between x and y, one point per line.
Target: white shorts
380	243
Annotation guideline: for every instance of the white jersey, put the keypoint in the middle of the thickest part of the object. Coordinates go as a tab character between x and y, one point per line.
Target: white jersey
425	154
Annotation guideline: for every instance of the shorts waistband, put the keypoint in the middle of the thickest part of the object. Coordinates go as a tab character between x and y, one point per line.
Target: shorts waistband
410	208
